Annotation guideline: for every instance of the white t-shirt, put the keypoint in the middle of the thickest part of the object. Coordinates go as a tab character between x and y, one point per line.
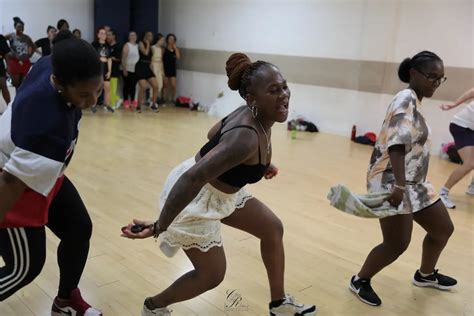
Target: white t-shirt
132	57
465	117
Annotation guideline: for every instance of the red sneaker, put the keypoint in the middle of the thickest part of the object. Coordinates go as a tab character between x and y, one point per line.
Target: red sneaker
126	104
75	306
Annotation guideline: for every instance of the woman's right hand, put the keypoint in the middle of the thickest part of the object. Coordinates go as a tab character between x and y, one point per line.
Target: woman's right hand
396	197
125	73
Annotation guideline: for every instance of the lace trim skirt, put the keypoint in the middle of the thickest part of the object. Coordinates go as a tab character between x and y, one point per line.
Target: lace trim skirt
198	225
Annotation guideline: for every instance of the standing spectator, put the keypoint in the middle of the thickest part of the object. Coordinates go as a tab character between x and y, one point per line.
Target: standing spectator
104	52
157	64
77	33
22	47
62	25
130	57
46	43
4	50
144	72
170	55
115	54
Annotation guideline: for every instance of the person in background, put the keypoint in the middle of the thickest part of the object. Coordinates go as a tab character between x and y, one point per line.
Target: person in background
45	44
62	25
22	48
115	55
144	72
130	57
462	129
4	50
157	65
170	55
104	52
77	33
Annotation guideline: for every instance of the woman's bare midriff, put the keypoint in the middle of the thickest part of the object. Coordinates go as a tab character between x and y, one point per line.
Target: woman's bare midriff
219	185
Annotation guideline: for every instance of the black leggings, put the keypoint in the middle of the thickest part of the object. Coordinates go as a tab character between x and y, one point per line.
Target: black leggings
129	86
23	249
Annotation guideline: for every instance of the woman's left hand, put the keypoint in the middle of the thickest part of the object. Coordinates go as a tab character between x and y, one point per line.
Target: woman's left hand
271	172
107	75
145	233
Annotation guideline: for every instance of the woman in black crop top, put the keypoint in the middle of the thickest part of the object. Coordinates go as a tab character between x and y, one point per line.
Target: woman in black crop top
144	72
207	189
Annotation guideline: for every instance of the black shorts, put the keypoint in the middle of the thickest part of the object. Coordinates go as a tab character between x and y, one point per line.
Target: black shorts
3	69
170	71
463	137
143	71
105	68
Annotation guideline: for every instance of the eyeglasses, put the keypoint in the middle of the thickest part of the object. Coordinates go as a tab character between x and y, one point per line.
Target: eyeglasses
432	78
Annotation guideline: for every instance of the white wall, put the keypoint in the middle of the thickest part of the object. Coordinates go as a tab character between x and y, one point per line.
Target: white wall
381	30
38	14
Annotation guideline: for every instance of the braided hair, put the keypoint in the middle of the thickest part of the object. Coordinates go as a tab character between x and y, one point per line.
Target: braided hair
415	62
240	71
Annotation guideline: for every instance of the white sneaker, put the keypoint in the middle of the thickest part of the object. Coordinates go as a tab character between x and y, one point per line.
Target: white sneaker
470	189
446	201
290	308
155	312
118	104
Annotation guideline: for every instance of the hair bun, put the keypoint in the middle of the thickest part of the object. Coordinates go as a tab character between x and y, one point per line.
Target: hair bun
235	67
404	70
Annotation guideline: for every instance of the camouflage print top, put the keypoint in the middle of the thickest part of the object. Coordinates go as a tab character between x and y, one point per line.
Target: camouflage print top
403	125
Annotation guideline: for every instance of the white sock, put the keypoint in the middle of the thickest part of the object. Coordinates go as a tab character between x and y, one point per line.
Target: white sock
424	274
356	278
444	191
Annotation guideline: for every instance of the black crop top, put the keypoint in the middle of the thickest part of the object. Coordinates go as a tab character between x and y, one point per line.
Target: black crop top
242	174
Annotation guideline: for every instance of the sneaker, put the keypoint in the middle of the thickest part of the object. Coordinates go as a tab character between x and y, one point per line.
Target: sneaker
94	109
126	104
74	306
118	104
446	201
364	291
138	109
290	308
470	189
109	109
435	279
135	104
154	108
163	311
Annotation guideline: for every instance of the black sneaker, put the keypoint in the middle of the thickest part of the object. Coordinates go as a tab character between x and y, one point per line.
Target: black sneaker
109	108
154	108
435	279
94	109
364	291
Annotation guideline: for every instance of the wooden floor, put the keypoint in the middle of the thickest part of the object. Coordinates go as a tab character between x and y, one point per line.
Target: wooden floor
120	165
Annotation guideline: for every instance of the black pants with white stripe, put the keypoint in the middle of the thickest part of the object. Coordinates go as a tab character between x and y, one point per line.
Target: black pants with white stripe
23	250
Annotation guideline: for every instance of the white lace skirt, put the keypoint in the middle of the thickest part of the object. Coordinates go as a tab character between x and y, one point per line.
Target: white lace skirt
198	225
